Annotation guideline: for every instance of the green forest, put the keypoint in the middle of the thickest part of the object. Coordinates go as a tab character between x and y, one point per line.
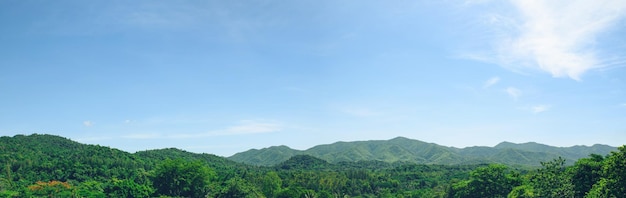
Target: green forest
52	166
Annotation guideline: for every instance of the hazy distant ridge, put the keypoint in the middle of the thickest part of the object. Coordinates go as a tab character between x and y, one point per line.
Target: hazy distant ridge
409	150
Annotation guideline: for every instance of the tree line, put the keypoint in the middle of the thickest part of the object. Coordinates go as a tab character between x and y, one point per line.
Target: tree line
50	166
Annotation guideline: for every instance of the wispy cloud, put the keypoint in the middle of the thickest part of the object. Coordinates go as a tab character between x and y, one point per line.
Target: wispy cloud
623	105
513	92
558	37
88	123
539	108
492	81
251	127
535	109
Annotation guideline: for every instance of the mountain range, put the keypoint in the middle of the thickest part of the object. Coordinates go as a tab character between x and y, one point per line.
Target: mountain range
48	149
402	149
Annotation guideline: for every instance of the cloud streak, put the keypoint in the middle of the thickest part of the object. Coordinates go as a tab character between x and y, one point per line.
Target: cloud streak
88	123
513	92
558	37
492	81
539	108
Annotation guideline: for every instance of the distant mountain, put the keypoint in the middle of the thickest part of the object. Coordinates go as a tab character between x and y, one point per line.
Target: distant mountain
402	149
267	156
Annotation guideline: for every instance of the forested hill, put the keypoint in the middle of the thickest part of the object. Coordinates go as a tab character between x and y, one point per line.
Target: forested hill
53	166
408	150
49	156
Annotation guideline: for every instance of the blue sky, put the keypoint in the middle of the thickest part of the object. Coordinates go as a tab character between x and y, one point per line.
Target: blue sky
225	76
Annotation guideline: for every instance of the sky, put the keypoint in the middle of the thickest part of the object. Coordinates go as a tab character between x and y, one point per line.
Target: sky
223	77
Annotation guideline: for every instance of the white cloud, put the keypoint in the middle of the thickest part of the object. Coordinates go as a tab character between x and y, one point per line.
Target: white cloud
539	108
535	109
492	81
622	105
88	123
513	92
558	37
251	127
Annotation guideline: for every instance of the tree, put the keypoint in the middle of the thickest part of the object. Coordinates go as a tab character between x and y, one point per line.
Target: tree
271	184
180	178
237	187
551	180
127	188
613	184
91	189
492	181
51	188
523	191
585	173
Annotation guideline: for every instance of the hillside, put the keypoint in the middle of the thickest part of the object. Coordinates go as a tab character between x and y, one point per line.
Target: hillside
52	166
40	157
402	149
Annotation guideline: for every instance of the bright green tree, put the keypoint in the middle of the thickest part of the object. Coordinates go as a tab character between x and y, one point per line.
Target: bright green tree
93	189
127	188
494	180
237	187
613	184
271	184
180	178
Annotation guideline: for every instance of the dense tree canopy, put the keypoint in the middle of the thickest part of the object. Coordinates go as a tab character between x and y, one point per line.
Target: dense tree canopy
57	167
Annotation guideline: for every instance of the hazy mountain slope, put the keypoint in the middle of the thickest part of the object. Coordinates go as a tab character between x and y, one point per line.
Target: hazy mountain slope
402	149
573	152
266	156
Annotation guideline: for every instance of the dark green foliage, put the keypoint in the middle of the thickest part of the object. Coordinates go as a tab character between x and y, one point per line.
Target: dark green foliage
271	184
613	182
237	187
494	180
52	166
181	178
91	189
551	180
127	188
585	173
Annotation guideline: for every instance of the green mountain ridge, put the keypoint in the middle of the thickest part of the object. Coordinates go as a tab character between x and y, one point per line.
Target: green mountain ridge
45	155
53	166
403	149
